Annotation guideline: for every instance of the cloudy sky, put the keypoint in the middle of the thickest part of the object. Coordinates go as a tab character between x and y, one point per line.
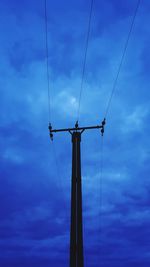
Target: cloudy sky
35	174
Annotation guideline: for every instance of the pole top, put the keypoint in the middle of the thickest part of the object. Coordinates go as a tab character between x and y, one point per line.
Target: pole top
76	136
77	129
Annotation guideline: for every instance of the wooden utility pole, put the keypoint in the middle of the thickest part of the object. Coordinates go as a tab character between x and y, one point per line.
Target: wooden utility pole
76	232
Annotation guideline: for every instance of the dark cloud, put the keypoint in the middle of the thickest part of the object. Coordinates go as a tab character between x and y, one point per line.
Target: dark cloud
34	173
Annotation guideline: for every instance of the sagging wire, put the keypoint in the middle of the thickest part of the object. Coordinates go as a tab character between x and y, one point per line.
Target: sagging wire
106	113
47	62
49	103
85	58
59	175
122	58
101	197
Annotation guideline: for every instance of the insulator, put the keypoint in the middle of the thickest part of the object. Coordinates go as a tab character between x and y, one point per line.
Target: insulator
50	127
51	136
76	125
104	122
102	131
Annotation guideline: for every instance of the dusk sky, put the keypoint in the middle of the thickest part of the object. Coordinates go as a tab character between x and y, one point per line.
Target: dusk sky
35	173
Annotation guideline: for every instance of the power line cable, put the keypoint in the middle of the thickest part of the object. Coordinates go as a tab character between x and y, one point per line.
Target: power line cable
85	58
59	176
58	172
47	62
49	100
107	109
122	57
101	192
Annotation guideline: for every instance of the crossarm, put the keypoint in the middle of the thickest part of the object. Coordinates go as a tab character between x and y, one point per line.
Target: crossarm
76	128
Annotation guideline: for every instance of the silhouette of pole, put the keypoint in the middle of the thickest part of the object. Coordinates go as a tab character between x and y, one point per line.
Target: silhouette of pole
76	225
76	233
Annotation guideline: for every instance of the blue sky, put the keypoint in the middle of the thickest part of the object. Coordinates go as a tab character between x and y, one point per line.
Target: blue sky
35	175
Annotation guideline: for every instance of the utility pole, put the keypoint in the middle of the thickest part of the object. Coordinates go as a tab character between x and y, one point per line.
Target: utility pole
76	232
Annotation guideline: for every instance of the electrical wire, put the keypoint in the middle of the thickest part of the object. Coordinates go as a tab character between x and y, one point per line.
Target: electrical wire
59	176
47	62
101	194
106	113
49	106
122	57
85	58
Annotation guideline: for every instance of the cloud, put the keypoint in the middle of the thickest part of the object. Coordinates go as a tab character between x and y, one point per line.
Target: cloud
35	175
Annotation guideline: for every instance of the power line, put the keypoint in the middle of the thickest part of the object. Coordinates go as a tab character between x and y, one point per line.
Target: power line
59	178
49	103
48	79
58	172
122	57
107	109
47	62
101	191
85	58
